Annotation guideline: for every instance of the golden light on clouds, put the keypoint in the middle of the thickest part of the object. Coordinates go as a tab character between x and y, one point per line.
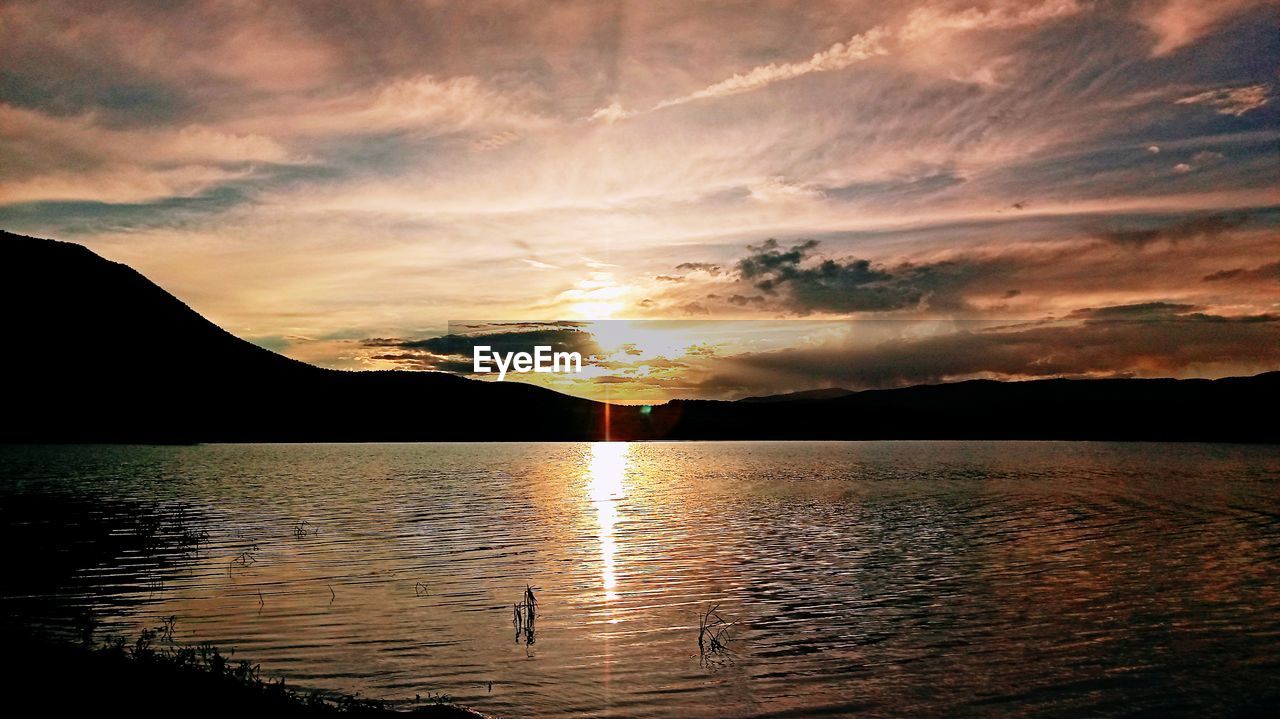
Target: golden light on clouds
314	185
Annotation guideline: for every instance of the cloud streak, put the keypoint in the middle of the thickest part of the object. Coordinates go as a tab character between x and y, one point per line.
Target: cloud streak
837	57
923	24
1235	101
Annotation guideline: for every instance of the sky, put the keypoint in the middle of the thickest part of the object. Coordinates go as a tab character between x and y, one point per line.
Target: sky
816	194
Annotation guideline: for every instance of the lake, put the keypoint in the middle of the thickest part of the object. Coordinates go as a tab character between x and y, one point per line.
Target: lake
859	578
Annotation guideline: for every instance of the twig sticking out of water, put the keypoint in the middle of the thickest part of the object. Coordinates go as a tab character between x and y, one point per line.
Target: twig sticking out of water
523	616
714	636
419	590
244	559
305	529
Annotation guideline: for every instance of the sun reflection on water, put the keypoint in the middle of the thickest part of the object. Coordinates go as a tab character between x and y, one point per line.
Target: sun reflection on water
606	474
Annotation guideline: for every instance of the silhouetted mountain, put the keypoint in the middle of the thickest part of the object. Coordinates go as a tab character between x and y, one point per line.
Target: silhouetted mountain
100	353
1232	409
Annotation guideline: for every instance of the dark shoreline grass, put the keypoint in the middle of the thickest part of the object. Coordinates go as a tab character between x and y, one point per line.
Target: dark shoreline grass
143	679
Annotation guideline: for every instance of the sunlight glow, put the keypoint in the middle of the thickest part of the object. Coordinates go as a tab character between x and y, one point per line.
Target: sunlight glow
606	474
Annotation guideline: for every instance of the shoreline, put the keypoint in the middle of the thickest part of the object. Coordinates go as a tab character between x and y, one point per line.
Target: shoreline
151	677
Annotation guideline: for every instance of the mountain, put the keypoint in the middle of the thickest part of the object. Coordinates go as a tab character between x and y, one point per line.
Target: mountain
1232	409
99	353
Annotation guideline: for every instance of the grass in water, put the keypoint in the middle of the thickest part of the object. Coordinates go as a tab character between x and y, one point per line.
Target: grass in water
523	616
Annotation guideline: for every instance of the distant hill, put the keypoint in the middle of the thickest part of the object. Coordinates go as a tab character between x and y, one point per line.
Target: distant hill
97	352
1103	409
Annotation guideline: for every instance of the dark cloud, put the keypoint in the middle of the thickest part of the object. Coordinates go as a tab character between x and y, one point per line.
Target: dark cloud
699	267
425	361
1108	343
69	218
804	283
453	352
560	340
612	379
474	327
1192	228
1265	272
1057	262
1138	311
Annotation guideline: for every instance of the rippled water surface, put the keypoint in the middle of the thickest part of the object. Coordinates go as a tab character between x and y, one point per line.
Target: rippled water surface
880	578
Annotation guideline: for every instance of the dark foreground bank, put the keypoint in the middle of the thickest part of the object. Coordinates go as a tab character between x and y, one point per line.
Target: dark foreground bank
146	679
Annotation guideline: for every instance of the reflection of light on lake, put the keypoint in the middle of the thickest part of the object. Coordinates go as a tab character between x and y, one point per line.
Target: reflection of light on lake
605	474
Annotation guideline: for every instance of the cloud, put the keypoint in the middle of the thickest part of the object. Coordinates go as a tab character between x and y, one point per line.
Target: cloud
1269	272
420	361
496	141
1086	265
707	267
560	339
925	23
610	113
778	189
78	158
1149	341
1193	228
294	169
1234	101
1178	23
837	57
1137	311
423	103
811	284
453	352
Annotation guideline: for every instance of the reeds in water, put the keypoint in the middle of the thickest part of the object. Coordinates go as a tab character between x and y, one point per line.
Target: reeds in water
524	615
